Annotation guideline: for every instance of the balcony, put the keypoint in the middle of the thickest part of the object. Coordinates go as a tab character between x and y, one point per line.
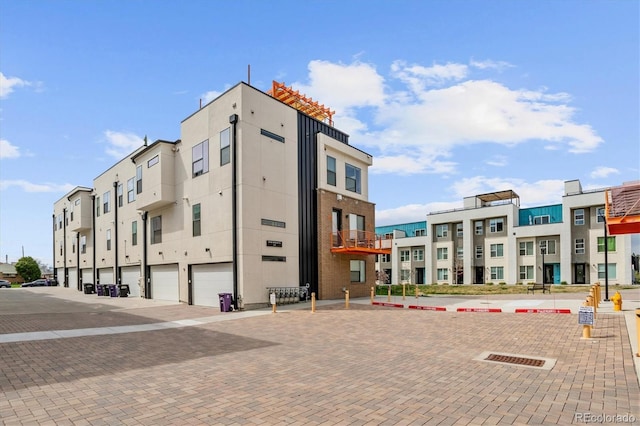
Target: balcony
359	242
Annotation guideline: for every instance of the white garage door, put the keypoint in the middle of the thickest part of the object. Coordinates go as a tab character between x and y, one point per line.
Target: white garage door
73	278
164	283
60	276
130	275
87	276
209	280
106	276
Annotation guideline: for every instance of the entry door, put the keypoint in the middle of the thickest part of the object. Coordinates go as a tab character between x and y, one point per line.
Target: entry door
419	275
548	274
479	275
336	227
579	273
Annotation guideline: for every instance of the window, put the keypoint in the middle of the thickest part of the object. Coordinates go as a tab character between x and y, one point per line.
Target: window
152	162
385	257
611	244
579	246
131	195
196	219
357	271
600	214
478	252
59	221
275	223
352	178
98	206
356	227
497	273
134	233
120	195
442	231
405	256
578	217
496	225
541	220
156	230
108	239
460	253
106	202
443	274
420	232
274	258
526	248
405	275
225	146
83	244
478	227
331	171
602	272
497	250
548	246
73	246
200	158
459	230
526	272
443	253
418	255
60	248
138	179
272	135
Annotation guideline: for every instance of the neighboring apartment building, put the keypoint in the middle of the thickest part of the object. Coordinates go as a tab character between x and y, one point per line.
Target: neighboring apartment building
256	194
492	239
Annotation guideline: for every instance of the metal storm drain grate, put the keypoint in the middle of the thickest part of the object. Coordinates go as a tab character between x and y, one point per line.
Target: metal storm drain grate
531	362
517	360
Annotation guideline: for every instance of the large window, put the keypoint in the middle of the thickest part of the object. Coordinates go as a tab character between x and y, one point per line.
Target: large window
108	239
497	250
611	244
83	244
131	194
196	220
541	220
420	232
138	179
442	231
526	248
405	275
200	158
460	253
459	230
331	171
478	227
479	252
156	230
497	273
134	233
405	256
357	271
352	178
442	253
600	214
120	195
225	146
106	202
526	272
418	255
443	274
385	257
578	217
548	246
602	272
579	246
496	225
98	207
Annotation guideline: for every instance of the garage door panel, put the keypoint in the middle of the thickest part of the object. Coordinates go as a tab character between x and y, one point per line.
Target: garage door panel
130	275
106	276
87	276
73	278
210	280
164	283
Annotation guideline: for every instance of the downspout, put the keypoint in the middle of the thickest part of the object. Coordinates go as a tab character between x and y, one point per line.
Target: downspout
64	246
144	269
55	271
96	279
115	232
233	119
78	271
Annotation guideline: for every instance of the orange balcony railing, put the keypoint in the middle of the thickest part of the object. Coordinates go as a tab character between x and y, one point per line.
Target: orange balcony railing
359	242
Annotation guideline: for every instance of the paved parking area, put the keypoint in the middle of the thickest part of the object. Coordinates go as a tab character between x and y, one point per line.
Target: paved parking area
367	365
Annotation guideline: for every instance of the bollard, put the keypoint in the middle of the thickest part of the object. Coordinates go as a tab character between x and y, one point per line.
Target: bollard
599	292
372	293
586	329
313	302
346	299
638	329
592	293
389	293
591	302
416	291
404	291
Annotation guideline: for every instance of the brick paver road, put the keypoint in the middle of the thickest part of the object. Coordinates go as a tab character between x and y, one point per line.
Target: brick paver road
362	366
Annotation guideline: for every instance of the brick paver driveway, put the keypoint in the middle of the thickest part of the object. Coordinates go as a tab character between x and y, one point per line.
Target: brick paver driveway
362	366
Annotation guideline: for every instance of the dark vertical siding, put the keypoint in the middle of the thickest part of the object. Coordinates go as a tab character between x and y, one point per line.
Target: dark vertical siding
307	184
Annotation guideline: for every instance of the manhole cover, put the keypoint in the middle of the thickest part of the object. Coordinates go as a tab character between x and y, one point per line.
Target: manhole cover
531	362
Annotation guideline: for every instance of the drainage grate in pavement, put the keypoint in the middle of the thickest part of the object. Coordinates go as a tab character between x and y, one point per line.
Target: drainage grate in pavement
531	362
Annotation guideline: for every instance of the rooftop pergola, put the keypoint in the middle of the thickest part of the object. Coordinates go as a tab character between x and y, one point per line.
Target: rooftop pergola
622	207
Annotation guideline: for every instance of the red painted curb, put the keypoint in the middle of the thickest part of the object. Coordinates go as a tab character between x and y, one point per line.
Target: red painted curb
428	308
542	311
479	310
393	305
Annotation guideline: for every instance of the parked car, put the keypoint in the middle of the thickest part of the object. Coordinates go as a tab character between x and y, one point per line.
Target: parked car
5	283
40	282
52	282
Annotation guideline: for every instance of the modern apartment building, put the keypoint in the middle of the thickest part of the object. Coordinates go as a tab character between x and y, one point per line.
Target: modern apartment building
492	239
260	191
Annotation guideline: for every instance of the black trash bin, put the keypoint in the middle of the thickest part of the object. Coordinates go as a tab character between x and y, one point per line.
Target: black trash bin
225	302
123	289
113	290
89	288
100	289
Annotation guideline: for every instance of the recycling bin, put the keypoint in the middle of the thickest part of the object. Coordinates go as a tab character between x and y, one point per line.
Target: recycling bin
100	289
89	288
113	290
225	302
123	289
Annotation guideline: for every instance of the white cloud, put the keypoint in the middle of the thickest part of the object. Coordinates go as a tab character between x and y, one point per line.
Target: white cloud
7	150
27	186
497	161
603	172
536	193
432	121
489	64
209	96
8	84
122	144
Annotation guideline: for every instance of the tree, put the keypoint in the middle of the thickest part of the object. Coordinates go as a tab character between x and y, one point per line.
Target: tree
28	269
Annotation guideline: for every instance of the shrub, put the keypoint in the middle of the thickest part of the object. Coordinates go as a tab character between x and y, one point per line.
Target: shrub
563	283
489	283
518	283
502	283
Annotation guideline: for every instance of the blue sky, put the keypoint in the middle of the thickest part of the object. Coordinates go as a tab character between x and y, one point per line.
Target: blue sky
452	98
